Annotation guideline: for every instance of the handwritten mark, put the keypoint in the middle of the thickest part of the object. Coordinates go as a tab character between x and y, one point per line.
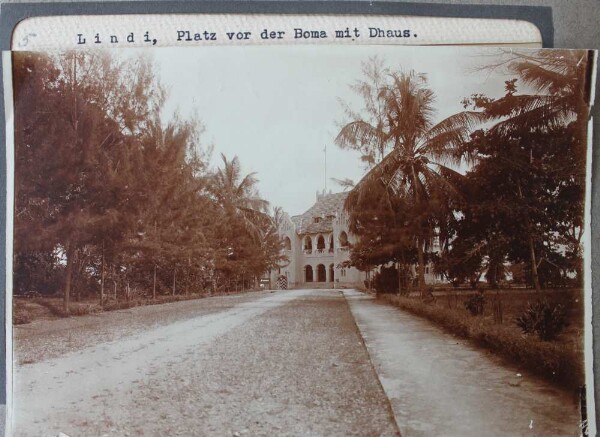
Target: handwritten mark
25	40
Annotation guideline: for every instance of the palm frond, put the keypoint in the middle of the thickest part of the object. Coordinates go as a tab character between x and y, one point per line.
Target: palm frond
357	133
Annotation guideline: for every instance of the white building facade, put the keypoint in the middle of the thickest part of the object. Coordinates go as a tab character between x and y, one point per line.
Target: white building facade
317	245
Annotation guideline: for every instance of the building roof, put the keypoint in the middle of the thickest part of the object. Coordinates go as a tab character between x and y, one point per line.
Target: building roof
326	207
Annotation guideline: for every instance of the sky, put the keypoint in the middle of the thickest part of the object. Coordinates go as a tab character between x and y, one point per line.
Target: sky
278	107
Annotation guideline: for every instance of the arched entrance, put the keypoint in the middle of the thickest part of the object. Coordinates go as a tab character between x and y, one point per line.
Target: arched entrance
331	273
308	273
287	243
321	274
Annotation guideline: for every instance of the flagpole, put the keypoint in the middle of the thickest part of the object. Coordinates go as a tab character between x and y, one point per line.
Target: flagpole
325	151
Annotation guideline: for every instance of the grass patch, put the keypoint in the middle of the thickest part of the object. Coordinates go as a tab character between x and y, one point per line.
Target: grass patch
560	361
21	315
27	310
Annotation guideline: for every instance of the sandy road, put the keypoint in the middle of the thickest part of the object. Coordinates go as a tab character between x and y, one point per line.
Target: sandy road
293	363
288	363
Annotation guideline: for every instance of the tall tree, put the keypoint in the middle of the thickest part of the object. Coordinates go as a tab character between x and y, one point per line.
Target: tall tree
74	159
522	156
249	241
418	167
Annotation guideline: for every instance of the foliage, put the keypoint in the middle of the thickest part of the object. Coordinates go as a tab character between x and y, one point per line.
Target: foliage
112	201
527	187
408	154
386	280
475	304
544	319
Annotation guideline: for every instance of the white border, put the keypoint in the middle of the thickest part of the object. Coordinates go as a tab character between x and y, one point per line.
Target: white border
8	286
588	334
61	32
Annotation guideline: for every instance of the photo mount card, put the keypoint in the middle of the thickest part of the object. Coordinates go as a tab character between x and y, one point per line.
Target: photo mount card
70	42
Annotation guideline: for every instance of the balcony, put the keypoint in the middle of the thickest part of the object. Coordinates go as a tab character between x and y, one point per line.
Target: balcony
318	252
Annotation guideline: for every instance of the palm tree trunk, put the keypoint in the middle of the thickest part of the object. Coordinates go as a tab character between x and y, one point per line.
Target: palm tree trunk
420	254
421	273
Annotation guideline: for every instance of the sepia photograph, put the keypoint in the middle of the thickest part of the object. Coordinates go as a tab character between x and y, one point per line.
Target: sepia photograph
301	241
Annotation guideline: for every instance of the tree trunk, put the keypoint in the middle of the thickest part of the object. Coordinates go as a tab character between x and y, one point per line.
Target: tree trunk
68	278
399	271
102	279
534	270
174	279
421	272
154	284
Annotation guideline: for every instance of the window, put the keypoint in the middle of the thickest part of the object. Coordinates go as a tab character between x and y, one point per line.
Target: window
343	239
320	243
321	273
307	243
317	219
308	274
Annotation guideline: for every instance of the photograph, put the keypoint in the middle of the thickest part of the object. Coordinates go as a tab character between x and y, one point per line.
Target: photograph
302	240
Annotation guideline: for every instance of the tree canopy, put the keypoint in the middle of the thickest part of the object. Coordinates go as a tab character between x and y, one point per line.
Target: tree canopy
521	198
108	193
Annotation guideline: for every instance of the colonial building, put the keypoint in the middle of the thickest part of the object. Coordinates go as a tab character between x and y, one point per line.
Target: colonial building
316	245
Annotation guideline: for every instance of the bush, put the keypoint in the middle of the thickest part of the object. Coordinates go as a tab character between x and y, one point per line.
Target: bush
544	319
475	304
386	280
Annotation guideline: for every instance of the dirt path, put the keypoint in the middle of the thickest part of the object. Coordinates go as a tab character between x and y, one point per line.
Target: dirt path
43	339
440	386
290	363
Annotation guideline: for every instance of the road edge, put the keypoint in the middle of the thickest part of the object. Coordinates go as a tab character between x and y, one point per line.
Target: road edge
373	368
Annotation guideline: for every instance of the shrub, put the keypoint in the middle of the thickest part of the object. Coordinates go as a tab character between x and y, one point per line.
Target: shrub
386	280
544	319
475	304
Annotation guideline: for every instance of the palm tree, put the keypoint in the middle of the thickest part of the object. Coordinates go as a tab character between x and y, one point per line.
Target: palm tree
417	168
238	196
561	93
